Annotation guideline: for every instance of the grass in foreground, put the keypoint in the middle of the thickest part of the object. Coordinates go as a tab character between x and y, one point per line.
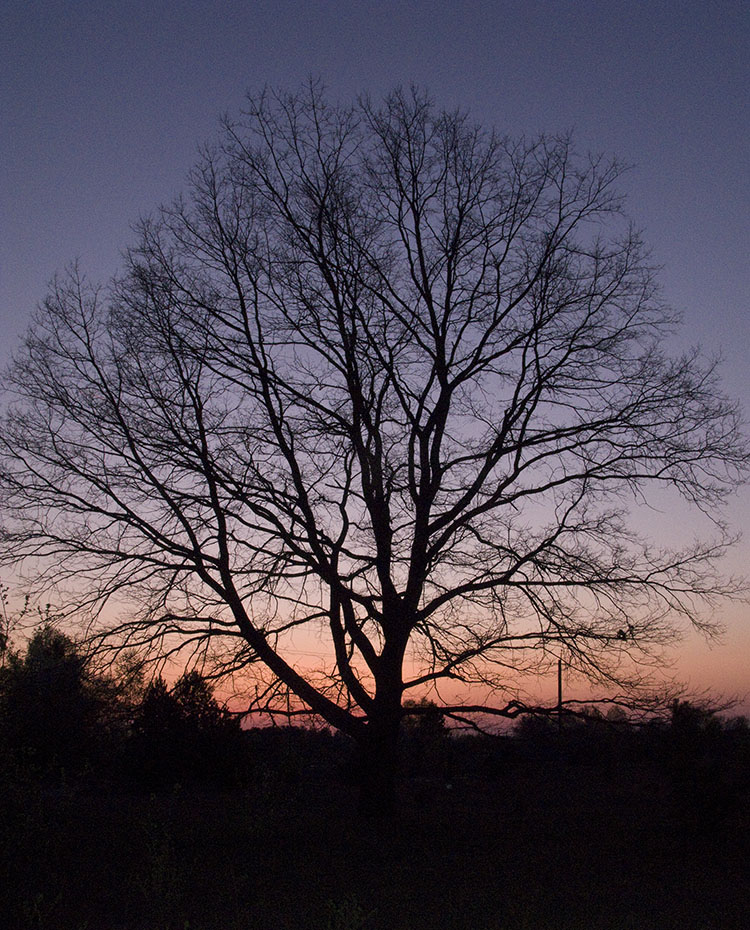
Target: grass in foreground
566	848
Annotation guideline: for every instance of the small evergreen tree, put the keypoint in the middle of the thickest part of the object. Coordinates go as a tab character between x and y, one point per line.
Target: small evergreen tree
51	705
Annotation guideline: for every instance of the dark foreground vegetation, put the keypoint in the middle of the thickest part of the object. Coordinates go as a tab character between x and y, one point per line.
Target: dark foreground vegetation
133	807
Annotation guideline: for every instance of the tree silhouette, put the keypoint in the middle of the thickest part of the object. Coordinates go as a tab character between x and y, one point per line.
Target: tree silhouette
182	733
53	710
385	377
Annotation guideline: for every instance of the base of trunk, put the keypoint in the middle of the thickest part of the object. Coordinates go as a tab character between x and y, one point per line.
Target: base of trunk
378	766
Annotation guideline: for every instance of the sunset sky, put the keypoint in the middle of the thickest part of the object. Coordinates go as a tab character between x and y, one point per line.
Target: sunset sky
104	106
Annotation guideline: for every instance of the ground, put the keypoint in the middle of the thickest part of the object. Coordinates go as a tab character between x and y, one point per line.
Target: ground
517	845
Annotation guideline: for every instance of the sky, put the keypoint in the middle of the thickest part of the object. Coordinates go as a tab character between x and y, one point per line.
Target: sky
103	106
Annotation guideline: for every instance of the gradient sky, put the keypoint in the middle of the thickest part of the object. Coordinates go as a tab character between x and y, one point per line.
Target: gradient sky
105	103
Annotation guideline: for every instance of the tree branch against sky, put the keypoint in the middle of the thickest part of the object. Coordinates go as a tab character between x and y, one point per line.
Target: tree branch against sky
386	376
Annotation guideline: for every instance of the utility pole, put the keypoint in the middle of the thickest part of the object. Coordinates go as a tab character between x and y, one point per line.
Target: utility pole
559	695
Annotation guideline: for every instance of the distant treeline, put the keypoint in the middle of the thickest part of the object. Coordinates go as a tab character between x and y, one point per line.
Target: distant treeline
60	719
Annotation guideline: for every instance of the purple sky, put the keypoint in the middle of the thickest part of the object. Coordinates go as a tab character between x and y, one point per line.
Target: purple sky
104	105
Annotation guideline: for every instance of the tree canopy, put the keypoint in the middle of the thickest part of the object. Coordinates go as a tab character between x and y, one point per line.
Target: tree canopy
384	376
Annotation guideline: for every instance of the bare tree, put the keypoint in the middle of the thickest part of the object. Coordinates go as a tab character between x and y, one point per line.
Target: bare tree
387	378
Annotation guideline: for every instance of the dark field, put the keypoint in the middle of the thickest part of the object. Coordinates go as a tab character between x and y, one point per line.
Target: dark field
491	836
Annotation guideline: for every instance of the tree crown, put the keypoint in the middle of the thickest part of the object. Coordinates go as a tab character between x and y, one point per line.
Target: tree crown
384	375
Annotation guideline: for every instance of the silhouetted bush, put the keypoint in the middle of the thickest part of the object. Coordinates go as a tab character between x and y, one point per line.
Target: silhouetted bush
183	734
55	714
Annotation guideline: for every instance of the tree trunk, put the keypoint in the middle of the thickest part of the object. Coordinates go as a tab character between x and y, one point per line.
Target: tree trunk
378	768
